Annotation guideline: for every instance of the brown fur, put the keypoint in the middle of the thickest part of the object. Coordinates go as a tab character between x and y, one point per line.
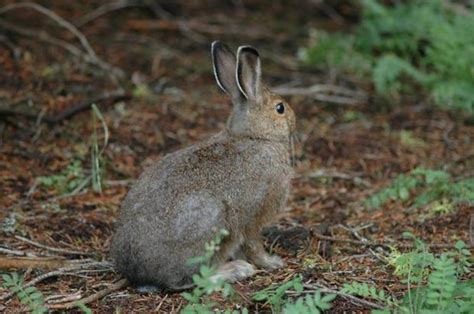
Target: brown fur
237	180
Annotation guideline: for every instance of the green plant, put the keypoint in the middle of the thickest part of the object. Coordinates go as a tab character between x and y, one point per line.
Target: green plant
367	291
30	296
10	223
84	308
205	284
96	154
432	185
425	42
274	295
68	180
443	291
335	50
433	282
407	139
311	303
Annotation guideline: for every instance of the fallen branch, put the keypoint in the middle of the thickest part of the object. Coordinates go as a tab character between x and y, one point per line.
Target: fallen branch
32	262
195	26
323	289
64	271
52	299
15	252
323	173
52	249
109	97
108	8
325	93
45	37
94	297
62	22
65	24
368	243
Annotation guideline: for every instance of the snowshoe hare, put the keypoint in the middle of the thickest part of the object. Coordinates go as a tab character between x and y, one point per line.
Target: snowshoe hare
237	180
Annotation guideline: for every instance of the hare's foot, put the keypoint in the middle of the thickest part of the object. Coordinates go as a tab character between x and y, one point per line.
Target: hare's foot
234	271
256	253
269	262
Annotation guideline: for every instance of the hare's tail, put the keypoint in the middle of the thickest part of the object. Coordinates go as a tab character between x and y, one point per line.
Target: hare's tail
234	271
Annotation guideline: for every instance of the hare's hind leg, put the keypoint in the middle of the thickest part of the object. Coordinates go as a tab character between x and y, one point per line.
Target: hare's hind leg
233	271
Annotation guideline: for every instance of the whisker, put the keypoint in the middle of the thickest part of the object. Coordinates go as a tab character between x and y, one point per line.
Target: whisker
292	151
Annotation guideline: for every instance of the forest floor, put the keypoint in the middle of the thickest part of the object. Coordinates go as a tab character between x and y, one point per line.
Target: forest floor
167	100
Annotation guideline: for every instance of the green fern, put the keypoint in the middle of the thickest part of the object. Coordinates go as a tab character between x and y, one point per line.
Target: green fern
441	283
331	51
84	308
366	291
68	180
30	296
275	295
205	285
388	71
431	185
433	283
311	303
420	41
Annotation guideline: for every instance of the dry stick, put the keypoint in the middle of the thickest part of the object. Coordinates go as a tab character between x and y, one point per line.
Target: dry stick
16	252
52	249
65	24
65	271
107	8
323	173
45	37
29	262
324	289
64	298
320	92
62	22
94	297
400	245
112	97
195	26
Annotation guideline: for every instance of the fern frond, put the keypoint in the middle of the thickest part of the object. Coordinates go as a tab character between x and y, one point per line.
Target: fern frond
311	303
29	296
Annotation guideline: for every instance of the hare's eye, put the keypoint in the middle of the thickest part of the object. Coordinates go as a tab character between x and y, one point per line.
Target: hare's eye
280	108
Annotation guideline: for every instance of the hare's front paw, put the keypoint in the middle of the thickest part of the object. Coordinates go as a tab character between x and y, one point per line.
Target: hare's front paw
270	262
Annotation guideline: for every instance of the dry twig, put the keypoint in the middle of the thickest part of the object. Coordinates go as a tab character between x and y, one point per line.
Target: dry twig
31	262
15	252
196	27
105	9
109	97
45	37
52	249
62	22
325	93
324	173
365	243
64	271
323	289
94	297
92	56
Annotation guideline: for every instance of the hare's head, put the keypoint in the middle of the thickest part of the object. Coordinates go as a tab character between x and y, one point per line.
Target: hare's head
257	113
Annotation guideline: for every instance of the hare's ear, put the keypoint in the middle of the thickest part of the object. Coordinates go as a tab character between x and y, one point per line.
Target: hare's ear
223	62
248	72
